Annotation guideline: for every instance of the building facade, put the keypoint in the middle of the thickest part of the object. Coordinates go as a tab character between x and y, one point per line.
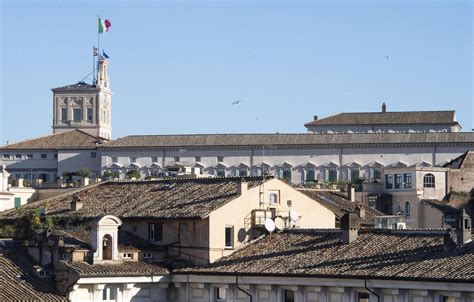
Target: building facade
85	106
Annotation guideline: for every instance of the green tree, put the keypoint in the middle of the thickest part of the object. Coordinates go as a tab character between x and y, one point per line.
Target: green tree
133	174
84	172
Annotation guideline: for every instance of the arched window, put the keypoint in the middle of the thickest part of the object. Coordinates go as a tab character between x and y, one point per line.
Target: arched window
107	247
407	209
429	181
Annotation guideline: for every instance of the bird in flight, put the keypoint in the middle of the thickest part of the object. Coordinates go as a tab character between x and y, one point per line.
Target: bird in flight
236	102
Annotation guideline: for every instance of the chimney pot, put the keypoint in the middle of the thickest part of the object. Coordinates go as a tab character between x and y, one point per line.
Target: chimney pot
315	117
384	107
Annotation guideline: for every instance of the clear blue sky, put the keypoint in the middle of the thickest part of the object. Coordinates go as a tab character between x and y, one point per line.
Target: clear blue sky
176	66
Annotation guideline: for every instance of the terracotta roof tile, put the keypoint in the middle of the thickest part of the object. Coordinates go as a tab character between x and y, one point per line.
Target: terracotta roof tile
73	138
18	283
387	254
340	206
388	118
285	140
122	269
192	198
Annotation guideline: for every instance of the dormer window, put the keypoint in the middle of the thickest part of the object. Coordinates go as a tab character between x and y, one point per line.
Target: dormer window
44	273
66	256
147	255
127	256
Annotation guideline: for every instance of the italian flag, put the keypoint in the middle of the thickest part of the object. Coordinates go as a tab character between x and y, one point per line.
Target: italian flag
104	25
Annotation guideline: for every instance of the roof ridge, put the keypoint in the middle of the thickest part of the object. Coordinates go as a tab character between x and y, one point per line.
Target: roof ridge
37	137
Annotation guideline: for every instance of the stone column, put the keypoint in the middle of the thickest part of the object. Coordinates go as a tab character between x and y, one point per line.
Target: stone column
97	290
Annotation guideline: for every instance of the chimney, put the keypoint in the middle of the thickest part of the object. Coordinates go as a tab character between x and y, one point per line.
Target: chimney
315	117
448	241
353	194
242	187
20	182
350	225
360	211
384	107
463	228
76	203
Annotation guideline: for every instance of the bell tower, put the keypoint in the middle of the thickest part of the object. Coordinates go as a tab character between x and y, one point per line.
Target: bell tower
84	106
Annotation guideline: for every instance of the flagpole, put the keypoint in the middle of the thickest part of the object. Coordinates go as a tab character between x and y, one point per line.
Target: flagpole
93	65
98	45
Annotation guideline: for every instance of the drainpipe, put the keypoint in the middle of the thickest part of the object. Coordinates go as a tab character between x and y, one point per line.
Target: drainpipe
187	287
237	286
371	291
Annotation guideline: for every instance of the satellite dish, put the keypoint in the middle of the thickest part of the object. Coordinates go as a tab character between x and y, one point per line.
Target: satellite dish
279	223
269	225
293	215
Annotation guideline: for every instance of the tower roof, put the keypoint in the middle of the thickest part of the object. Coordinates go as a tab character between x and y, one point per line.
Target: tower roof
78	87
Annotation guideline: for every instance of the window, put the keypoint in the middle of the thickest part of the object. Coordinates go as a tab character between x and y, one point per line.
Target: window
44	273
389	181
273	198
133	159
66	256
64	114
55	155
376	174
398	181
44	156
407	209
429	181
127	256
17	156
355	174
89	114
242	172
6	156
229	237
220	173
331	174
147	255
114	159
220	159
154	159
407	180
286	175
93	154
197	158
310	176
176	159
29	156
447	299
77	114
220	293
289	296
155	231
363	297
109	294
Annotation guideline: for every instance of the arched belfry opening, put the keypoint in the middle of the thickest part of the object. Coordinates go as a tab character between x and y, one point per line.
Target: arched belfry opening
105	238
107	247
